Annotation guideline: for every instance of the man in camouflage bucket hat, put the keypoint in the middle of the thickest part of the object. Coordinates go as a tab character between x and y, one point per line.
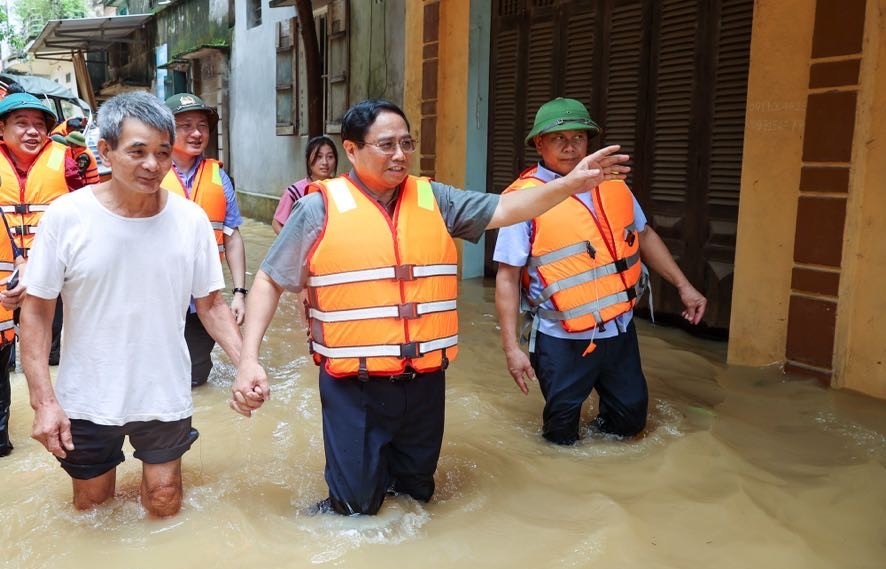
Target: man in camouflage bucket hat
204	181
581	260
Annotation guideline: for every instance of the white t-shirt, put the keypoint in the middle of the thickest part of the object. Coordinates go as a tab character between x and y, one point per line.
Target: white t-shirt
125	284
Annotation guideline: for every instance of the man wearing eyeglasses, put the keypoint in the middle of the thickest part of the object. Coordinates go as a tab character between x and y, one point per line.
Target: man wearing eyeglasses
374	250
577	270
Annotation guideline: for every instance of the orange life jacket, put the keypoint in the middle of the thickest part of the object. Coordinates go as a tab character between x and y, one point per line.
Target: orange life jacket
588	265
90	173
24	206
381	290
207	191
7	326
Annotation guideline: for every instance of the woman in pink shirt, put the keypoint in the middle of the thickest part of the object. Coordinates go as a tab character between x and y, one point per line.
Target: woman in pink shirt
321	162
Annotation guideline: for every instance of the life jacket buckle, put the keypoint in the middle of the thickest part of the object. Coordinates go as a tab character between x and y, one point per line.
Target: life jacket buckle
404	272
621	265
591	251
409	350
22	208
408	311
630	238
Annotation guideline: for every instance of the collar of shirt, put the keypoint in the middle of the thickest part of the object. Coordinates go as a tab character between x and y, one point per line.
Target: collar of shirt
188	177
391	203
546	176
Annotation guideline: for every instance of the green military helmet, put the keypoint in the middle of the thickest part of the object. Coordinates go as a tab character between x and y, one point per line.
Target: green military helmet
562	114
186	102
76	138
17	101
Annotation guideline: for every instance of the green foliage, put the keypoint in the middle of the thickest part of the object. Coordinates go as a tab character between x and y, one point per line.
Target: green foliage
32	15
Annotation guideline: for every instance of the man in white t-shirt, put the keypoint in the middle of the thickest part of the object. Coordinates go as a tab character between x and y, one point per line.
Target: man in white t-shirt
126	257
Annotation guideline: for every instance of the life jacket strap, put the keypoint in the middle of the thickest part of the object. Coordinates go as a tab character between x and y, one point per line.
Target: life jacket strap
23	229
594	307
24	208
407	311
408	350
399	273
584	247
619	266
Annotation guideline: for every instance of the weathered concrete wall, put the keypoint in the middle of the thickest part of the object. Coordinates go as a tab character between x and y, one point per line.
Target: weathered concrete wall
185	26
264	163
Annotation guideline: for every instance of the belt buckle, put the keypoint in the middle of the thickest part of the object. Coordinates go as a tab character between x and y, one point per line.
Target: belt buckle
401	377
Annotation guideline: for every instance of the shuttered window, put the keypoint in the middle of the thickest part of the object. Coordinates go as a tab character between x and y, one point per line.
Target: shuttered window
667	80
623	105
287	76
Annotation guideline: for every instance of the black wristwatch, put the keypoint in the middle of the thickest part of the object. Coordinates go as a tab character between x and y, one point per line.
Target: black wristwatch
238	289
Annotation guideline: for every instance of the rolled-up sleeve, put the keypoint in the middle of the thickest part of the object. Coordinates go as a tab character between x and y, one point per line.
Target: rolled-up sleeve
466	213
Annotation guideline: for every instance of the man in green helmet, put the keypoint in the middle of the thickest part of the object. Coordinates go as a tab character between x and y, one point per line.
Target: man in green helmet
576	268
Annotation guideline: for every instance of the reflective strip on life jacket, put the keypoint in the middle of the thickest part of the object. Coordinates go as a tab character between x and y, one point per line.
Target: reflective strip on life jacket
24	208
6	266
619	266
410	350
562	253
400	273
408	310
594	307
23	229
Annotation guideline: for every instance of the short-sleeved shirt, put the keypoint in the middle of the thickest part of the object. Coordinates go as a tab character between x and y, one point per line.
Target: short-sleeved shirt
513	247
125	283
233	220
290	195
465	213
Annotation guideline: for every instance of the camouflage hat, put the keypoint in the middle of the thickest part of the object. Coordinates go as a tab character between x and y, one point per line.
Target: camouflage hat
76	138
561	114
18	101
186	102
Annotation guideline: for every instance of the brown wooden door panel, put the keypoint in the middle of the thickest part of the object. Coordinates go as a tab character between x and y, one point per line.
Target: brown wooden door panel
667	80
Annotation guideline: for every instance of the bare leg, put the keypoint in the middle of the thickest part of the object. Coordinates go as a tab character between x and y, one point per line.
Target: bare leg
90	493
161	490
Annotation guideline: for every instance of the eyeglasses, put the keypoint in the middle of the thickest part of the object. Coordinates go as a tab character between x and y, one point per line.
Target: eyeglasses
189	127
561	141
389	146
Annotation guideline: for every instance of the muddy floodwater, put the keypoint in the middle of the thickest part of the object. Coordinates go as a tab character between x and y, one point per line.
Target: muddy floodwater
738	468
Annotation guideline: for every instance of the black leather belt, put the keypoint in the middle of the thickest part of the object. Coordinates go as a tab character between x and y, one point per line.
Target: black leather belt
398	378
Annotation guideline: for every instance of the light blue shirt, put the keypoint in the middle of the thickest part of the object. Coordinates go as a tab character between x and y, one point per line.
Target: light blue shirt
233	220
513	247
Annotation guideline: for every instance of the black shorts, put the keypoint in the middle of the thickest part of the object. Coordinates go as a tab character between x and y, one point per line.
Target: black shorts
99	448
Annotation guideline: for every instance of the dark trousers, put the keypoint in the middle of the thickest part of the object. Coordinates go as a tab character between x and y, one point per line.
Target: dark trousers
567	378
381	435
5	399
200	345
